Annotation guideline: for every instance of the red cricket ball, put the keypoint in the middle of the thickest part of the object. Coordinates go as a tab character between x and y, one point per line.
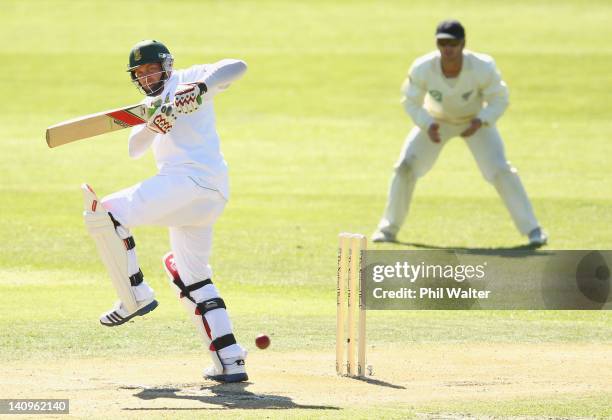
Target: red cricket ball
262	341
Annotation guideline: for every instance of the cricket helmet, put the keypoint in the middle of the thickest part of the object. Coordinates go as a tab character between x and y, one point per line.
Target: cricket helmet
150	51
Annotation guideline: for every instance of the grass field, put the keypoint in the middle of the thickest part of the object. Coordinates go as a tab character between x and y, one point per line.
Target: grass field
310	134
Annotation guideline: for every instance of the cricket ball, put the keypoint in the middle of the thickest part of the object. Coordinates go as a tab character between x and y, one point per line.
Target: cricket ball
262	341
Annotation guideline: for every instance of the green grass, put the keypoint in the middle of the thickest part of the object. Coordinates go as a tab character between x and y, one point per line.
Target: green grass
561	406
310	134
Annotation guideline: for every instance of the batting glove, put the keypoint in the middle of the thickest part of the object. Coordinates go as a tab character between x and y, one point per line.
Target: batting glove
162	119
187	100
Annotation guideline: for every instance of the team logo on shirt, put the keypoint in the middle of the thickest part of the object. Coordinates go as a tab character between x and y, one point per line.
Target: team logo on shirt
436	94
467	95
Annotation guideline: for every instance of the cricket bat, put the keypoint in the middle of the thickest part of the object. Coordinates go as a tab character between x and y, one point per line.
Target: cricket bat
100	123
96	124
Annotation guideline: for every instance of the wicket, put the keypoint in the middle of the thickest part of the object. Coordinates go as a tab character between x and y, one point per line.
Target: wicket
351	265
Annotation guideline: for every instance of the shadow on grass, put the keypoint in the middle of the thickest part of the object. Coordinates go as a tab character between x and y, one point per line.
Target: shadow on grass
223	396
527	249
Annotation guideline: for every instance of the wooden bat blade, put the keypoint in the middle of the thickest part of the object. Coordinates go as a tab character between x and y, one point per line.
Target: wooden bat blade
95	124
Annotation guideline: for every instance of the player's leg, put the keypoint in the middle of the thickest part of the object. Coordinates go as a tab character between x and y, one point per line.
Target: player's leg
152	201
416	159
191	246
183	293
116	247
155	201
488	149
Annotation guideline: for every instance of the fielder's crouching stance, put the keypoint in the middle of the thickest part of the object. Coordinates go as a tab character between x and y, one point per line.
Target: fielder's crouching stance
187	195
450	93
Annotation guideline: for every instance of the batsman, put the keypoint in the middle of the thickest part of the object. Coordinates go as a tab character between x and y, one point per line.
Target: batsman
453	92
187	195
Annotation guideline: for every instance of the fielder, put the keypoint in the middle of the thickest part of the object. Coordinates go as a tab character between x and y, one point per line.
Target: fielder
448	93
187	195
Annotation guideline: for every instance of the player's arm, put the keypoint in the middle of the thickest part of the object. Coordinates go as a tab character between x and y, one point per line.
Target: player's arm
211	79
414	90
139	141
220	75
160	121
494	93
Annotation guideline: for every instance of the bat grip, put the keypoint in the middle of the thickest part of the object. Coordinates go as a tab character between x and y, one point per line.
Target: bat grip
203	87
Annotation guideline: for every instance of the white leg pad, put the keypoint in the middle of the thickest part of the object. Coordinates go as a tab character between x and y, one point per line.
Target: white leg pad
191	308
111	248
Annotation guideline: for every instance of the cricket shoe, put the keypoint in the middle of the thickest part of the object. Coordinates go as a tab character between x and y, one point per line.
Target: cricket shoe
537	237
120	315
233	370
382	236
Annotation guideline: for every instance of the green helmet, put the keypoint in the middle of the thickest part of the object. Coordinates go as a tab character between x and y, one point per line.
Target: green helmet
150	51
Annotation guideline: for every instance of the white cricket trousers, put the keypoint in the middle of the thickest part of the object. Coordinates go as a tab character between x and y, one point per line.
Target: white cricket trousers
419	155
189	210
179	202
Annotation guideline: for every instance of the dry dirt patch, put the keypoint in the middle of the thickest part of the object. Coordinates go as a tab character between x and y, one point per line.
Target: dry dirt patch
410	375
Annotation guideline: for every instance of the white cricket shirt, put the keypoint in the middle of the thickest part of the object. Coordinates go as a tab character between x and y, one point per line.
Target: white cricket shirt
192	146
478	91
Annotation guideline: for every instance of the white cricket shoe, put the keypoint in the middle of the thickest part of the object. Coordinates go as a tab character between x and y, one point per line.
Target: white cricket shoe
120	315
382	236
233	370
537	237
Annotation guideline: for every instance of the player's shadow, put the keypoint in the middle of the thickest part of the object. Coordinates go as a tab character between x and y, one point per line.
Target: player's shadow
221	397
500	251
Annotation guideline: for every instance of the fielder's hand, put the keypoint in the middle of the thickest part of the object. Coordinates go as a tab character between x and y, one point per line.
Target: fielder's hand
162	119
187	100
434	132
475	124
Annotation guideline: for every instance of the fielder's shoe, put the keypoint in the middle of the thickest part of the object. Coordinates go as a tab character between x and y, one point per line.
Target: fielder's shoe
537	237
382	236
120	315
233	370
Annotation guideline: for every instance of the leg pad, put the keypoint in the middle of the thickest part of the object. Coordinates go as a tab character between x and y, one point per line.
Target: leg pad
222	342
209	305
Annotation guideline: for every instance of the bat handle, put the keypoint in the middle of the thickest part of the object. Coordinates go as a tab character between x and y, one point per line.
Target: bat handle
203	87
